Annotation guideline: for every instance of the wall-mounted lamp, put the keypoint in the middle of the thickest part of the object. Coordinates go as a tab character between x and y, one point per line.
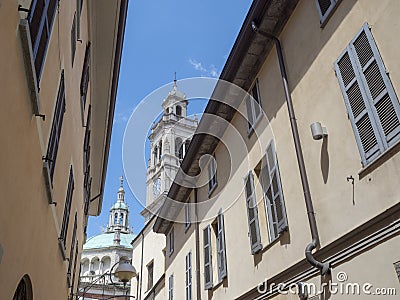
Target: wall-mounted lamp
318	131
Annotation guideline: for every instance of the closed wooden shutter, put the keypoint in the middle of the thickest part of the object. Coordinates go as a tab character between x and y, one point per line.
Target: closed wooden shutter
252	214
208	275
67	207
370	100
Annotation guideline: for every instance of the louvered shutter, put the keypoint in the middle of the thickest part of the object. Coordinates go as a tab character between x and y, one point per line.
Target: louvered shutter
369	96
324	8
271	182
221	249
207	258
252	215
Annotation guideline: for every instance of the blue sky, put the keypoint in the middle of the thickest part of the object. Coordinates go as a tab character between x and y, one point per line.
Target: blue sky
191	38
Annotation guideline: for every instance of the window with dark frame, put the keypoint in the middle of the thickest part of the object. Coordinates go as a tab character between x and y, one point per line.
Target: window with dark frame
86	163
371	102
85	77
325	9
171	241
67	208
150	274
75	266
252	214
73	39
71	252
40	18
253	106
55	133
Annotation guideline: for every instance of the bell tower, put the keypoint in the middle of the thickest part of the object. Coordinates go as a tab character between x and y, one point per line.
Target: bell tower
119	212
169	139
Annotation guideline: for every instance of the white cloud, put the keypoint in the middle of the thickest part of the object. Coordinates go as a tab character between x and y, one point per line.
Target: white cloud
197	65
211	71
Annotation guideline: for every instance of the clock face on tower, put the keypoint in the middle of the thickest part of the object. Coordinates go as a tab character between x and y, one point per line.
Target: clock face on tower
156	187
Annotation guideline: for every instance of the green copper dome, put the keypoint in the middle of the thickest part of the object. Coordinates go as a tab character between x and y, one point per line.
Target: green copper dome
107	240
119	205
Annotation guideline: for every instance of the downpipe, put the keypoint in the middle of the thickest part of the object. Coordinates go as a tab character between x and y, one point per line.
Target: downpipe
323	267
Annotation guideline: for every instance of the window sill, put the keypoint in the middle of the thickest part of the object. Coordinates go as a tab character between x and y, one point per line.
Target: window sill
380	160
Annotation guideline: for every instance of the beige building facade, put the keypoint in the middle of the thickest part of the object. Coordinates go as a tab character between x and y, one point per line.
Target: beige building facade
277	205
59	68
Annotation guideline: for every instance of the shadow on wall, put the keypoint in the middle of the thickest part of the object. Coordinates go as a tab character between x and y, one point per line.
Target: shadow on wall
325	160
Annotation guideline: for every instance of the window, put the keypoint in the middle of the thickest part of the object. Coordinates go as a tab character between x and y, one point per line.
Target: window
74	274
212	175
252	214
150	271
187	215
54	140
40	18
171	287
67	208
85	77
253	107
273	196
24	289
371	102
71	252
208	275
189	276
325	9
159	151
171	241
221	252
179	148
73	39
87	184
178	110
115	218
219	231
121	219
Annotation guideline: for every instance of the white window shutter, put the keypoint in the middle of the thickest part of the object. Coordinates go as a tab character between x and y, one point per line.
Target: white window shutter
273	194
221	249
252	215
208	275
369	96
